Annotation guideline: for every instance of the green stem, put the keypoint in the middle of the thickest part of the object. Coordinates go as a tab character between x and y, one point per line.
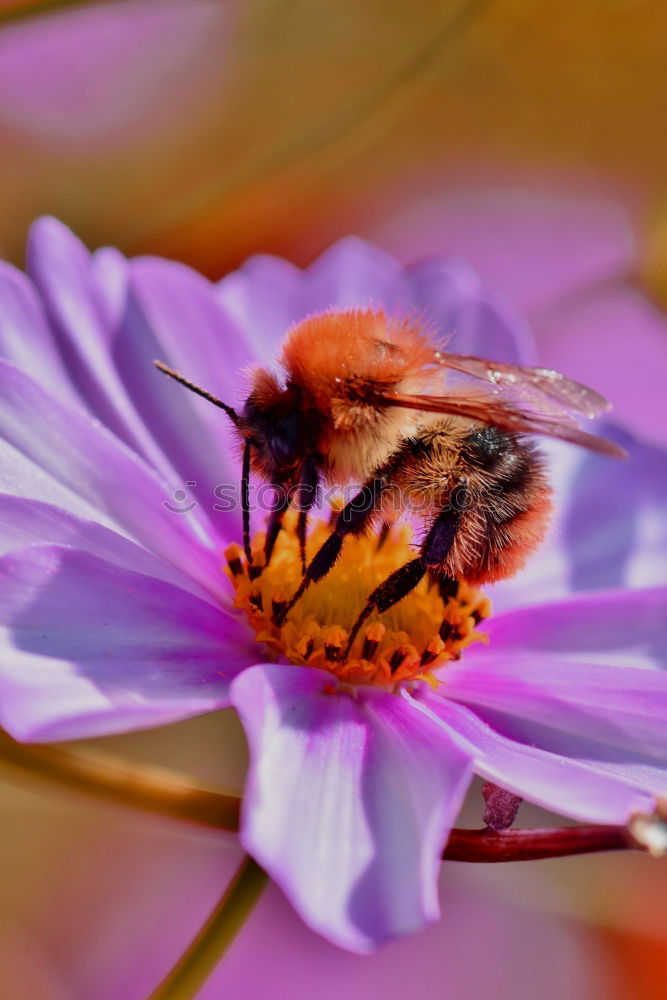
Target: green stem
197	963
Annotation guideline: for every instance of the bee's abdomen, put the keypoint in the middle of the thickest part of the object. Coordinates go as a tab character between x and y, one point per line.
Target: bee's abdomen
508	509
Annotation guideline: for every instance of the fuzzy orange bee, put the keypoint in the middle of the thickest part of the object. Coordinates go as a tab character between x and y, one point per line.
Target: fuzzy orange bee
368	398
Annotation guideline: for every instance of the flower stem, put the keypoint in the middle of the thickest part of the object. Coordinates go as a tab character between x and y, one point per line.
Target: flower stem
531	845
197	963
140	786
176	796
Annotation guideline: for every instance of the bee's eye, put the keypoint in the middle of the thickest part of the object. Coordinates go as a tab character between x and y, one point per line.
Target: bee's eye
281	449
282	440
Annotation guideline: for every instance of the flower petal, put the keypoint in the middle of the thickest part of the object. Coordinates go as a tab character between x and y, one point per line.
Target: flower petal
609	712
540	688
471	318
268	295
573	788
89	648
64	448
25	337
619	707
609	528
354	273
61	269
348	803
174	316
29	522
265	297
624	628
109	276
110	341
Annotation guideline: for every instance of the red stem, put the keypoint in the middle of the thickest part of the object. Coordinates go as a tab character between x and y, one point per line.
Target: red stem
530	845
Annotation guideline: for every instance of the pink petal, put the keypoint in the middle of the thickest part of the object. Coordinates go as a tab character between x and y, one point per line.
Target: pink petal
624	628
110	341
60	267
109	276
468	316
573	788
348	803
267	296
583	678
89	648
50	447
609	528
354	273
29	522
25	337
174	316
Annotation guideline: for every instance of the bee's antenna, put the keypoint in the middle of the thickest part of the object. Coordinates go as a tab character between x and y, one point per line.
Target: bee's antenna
229	410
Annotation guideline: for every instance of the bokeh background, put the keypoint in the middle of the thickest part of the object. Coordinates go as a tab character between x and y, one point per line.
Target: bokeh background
526	137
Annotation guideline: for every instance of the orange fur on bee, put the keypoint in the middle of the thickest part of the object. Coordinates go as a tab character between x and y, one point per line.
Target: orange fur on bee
341	361
356	345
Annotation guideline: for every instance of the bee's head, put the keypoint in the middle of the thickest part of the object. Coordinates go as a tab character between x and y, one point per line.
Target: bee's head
272	421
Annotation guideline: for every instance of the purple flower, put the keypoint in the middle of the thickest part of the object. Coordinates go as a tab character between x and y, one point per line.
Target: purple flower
116	614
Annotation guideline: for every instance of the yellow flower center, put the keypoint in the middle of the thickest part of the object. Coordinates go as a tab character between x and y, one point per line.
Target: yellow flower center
406	643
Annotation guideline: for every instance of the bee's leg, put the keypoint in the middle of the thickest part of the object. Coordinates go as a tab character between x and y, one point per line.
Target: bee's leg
275	521
306	497
398	584
351	520
245	501
302	533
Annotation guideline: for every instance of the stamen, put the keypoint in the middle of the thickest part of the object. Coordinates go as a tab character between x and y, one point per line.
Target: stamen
305	646
234	557
255	570
415	637
334	638
433	650
278	603
372	638
446	630
404	662
397	658
256	600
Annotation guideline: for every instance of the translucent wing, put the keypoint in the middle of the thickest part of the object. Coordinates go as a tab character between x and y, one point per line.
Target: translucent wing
539	386
507	416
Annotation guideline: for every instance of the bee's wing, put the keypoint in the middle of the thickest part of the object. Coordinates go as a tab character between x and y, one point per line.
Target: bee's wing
507	416
529	384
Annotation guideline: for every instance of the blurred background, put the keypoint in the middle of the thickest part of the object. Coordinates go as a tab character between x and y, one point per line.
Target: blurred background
528	138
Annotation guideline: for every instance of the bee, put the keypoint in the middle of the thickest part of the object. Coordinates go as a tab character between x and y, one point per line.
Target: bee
369	398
